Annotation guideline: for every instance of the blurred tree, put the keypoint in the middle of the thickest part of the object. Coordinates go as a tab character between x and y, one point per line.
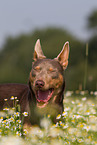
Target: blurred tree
92	57
93	50
92	25
92	20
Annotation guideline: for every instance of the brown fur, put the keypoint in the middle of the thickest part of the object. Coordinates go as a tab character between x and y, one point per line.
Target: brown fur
44	92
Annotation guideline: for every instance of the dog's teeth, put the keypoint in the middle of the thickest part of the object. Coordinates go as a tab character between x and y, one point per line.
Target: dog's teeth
49	92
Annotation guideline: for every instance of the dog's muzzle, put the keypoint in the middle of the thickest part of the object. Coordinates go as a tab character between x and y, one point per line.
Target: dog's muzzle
41	94
39	84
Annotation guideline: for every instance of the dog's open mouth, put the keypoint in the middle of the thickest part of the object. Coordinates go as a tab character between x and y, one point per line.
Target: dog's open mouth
44	96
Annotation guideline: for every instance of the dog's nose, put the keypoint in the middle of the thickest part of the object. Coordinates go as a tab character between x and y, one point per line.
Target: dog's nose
39	83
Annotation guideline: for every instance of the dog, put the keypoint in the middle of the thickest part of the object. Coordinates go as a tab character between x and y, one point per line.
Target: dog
44	92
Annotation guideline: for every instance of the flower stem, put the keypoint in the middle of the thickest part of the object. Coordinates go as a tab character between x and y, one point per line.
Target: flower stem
86	65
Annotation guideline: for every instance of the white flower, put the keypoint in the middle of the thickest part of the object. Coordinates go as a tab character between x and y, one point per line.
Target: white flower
17	113
95	93
65	126
79	116
18	133
25	132
84	99
80	140
86	128
91	92
72	102
64	113
79	105
88	112
5	100
18	121
12	98
92	104
55	125
6	126
67	109
82	92
1	119
69	93
58	116
6	109
25	113
11	119
15	98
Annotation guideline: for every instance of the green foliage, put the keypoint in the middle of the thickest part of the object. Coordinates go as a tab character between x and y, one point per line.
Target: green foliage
17	53
93	51
92	20
10	119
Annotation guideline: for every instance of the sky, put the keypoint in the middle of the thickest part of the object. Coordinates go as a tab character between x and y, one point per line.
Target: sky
24	16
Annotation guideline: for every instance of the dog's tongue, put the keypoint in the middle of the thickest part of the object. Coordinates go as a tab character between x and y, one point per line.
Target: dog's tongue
43	96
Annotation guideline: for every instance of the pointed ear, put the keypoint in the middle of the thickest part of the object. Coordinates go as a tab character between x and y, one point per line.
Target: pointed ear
38	54
63	56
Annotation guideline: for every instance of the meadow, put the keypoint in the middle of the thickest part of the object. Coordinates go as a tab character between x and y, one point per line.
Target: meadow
77	125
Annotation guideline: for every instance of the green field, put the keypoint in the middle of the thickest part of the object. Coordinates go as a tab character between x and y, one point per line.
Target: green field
77	125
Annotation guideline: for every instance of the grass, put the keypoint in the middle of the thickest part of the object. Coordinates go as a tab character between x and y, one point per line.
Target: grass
77	125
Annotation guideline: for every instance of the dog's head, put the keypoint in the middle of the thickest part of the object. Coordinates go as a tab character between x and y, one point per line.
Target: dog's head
46	77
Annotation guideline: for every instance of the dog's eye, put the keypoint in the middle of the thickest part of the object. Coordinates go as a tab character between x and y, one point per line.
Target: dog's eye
51	69
37	68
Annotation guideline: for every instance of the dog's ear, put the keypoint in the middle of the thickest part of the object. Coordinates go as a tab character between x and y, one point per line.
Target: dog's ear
38	53
63	56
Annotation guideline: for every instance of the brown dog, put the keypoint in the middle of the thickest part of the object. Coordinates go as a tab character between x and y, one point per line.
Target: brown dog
44	93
